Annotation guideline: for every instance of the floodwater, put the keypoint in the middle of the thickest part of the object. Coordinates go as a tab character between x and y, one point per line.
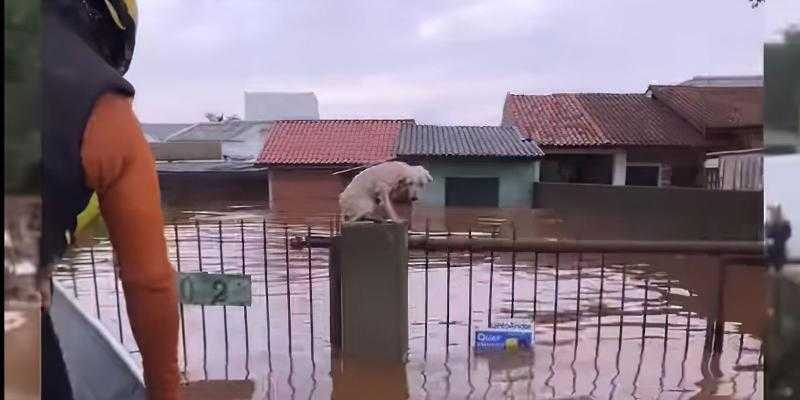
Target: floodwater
606	326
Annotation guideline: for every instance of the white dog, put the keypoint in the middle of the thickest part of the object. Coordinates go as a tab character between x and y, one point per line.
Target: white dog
381	185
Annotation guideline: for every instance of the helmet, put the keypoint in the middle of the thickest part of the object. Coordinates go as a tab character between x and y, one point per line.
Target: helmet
107	26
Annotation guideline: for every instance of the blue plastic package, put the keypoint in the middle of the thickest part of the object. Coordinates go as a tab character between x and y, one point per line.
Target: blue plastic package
508	335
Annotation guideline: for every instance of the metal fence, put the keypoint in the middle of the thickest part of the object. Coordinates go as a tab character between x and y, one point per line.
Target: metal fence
574	298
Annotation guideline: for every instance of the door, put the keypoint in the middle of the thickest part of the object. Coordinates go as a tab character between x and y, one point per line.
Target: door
472	192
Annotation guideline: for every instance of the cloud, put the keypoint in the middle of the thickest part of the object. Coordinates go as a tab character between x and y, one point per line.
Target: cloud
485	19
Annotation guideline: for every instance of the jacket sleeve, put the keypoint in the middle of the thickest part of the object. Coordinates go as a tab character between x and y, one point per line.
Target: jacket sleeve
119	166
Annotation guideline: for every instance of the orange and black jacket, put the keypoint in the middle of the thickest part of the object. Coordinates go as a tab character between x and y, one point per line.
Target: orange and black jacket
92	141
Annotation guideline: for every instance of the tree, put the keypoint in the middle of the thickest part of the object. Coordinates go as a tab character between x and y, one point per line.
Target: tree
755	3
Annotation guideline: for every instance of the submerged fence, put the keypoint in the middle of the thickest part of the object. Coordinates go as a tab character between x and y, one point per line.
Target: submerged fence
576	294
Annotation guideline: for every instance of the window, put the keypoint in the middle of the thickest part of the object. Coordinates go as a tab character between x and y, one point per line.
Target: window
472	192
643	175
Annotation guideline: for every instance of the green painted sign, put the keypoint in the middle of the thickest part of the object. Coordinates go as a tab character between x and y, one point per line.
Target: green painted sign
203	288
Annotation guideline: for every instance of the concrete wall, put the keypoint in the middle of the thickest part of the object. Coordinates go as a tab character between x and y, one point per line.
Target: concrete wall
647	213
516	178
203	188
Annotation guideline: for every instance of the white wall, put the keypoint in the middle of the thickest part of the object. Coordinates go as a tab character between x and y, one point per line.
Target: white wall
620	168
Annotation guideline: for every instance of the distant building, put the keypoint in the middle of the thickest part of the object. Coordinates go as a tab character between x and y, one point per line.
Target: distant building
210	160
302	157
273	106
484	166
240	141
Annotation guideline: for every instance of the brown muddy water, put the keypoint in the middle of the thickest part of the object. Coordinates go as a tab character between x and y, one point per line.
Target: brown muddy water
606	327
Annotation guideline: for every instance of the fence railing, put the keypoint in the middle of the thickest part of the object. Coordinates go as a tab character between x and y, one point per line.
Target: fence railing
574	291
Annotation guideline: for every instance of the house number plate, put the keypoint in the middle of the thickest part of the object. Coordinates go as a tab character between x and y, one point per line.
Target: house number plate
203	288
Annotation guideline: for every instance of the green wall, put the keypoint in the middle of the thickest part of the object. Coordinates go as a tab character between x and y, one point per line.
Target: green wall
516	179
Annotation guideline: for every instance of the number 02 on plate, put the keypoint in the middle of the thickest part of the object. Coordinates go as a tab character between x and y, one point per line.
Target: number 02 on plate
202	288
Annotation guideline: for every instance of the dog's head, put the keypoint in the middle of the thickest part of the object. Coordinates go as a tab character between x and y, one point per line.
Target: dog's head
411	186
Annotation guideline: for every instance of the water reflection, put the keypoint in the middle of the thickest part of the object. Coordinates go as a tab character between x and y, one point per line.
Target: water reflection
606	326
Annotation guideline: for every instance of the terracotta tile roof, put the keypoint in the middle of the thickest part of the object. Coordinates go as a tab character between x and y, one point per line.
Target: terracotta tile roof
465	141
714	107
331	142
598	119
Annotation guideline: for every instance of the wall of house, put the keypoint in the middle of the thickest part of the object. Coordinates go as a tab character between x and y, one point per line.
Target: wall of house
649	213
305	190
516	178
188	189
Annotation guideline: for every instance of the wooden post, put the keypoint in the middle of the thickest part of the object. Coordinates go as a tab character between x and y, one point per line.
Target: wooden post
374	291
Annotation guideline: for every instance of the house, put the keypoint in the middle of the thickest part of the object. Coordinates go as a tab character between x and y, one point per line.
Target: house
486	166
617	139
239	141
213	161
658	138
308	159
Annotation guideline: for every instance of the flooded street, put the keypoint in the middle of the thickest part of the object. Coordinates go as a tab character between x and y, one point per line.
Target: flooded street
606	326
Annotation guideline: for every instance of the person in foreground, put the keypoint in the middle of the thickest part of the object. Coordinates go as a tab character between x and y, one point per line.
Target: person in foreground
92	142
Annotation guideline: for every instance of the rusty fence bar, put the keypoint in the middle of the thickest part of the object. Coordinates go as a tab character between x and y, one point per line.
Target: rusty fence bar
265	255
246	325
495	244
224	307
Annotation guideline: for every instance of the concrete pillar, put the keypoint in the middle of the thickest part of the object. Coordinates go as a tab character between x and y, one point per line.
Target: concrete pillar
620	168
374	291
357	379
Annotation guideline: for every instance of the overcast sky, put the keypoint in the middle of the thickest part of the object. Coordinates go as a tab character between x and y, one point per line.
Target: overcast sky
444	61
